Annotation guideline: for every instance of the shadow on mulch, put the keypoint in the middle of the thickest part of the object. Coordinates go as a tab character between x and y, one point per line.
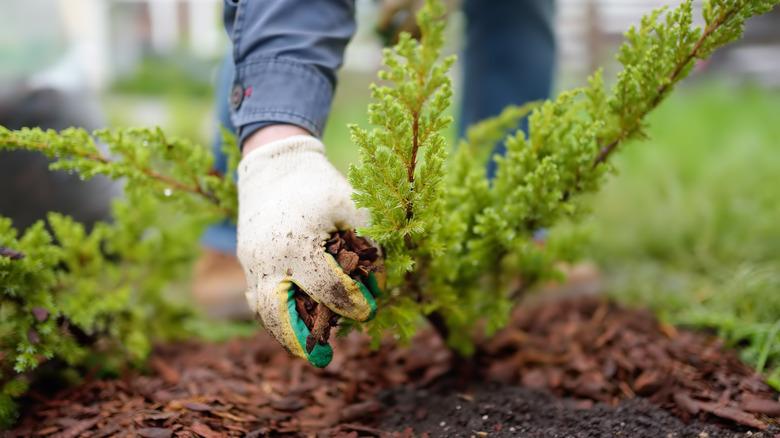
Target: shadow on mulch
579	367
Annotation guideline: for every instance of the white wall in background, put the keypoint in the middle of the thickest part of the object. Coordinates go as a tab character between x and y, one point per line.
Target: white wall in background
164	21
205	28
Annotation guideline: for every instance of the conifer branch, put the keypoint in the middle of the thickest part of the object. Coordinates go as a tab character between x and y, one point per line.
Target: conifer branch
194	188
30	140
448	248
413	161
674	77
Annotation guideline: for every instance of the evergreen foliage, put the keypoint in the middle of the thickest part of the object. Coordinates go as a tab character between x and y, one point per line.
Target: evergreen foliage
98	295
459	248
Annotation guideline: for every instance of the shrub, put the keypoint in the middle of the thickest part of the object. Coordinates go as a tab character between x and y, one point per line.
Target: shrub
98	296
459	248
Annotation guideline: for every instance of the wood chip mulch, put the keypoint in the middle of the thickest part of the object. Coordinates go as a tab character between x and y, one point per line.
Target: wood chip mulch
582	348
358	258
245	387
594	350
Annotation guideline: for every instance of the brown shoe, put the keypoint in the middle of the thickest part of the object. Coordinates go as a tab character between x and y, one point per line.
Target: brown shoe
218	286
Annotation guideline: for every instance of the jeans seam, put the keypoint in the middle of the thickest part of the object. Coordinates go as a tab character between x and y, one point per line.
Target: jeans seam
237	27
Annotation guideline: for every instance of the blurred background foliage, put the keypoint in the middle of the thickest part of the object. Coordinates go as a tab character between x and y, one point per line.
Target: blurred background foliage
691	225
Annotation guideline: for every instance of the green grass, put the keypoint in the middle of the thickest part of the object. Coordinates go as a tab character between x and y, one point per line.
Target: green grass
349	107
178	74
691	225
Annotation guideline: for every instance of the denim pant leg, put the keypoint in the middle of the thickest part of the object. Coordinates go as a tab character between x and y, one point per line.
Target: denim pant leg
508	58
222	236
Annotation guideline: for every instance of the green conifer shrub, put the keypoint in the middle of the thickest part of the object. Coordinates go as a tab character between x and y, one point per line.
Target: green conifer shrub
97	297
459	248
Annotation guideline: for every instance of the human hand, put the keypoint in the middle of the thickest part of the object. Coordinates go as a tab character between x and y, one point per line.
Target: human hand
290	200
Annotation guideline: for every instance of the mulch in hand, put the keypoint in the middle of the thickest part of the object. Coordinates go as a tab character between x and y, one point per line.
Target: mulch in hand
573	367
358	258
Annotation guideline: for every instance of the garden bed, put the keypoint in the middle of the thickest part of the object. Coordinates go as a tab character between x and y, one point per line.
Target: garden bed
577	367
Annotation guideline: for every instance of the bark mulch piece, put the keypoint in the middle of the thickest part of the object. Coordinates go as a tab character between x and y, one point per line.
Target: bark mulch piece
594	354
358	258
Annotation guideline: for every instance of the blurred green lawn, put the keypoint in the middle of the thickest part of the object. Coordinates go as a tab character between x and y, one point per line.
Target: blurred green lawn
691	225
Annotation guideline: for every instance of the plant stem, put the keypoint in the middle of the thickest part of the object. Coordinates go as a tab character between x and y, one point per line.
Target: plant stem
10	253
410	168
437	321
194	189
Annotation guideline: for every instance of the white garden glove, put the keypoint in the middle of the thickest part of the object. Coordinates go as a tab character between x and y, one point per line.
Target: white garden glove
290	200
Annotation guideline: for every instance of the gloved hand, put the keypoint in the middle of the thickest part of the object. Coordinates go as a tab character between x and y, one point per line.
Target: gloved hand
290	200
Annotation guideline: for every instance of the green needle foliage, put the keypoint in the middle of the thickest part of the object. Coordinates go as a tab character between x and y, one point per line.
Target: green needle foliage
460	248
96	297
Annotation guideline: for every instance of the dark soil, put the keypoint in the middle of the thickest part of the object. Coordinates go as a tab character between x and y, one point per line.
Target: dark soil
576	367
509	411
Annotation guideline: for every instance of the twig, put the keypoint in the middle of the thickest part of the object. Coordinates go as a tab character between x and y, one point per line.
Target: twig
437	321
365	429
195	189
607	150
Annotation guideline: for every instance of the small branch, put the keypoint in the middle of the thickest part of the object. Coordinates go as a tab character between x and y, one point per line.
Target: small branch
413	161
521	290
439	324
607	150
364	429
194	189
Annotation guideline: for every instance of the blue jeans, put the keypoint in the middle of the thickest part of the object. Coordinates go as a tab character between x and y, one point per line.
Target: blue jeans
222	236
508	58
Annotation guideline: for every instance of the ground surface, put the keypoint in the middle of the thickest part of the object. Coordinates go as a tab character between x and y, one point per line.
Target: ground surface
587	369
509	411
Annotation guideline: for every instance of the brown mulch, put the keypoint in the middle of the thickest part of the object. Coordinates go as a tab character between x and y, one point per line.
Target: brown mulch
597	351
580	348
